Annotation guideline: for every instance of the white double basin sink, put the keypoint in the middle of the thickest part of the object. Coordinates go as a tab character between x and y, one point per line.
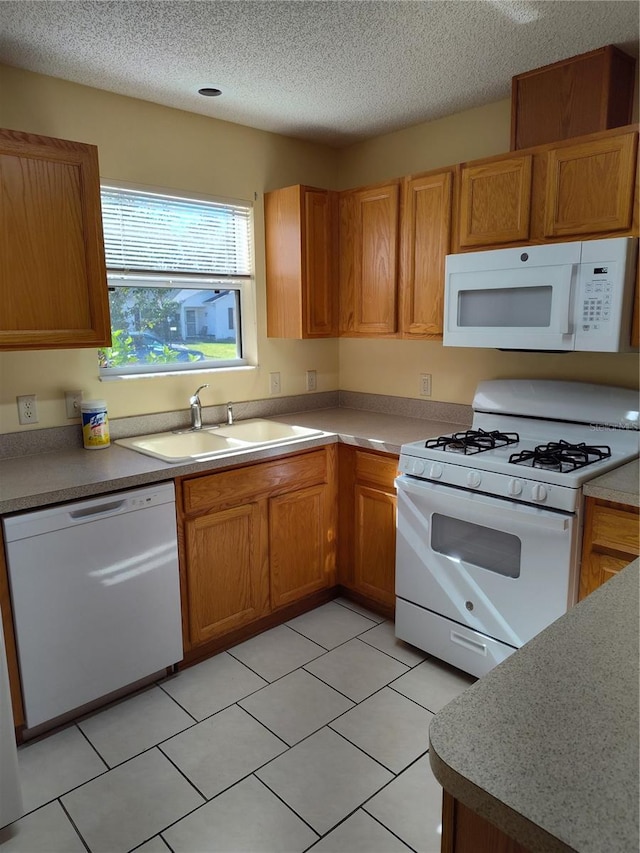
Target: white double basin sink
210	442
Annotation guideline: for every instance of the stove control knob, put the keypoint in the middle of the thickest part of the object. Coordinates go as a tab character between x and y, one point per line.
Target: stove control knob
418	467
436	471
515	487
474	478
538	493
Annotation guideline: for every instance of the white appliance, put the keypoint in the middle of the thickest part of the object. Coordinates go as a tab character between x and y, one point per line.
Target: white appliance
558	297
96	597
10	793
489	519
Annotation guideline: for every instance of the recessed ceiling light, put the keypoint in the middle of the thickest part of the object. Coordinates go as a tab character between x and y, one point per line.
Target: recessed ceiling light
209	92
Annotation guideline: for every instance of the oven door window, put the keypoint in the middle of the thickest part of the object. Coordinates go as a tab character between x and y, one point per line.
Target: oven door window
485	547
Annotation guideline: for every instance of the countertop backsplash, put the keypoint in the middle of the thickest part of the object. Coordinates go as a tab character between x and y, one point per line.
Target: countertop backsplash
16	444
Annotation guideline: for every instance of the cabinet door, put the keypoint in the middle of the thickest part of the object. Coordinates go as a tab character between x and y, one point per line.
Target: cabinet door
53	286
375	552
425	241
301	265
227	570
611	541
597	569
368	525
590	187
368	261
495	202
298	547
320	268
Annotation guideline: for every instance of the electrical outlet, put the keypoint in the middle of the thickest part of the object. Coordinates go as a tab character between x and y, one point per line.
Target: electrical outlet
425	384
274	383
27	409
72	400
312	380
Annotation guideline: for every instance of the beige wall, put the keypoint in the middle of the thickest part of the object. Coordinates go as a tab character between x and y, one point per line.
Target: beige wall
393	367
144	143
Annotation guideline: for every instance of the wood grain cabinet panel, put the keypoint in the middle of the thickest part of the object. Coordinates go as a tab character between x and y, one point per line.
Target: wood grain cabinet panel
495	202
464	831
611	540
375	546
53	285
367	507
301	262
590	187
425	242
369	231
227	570
298	534
573	97
255	538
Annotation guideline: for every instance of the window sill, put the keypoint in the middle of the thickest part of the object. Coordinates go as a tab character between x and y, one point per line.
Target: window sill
232	369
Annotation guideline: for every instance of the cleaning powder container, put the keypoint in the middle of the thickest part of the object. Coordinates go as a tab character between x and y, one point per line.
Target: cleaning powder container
95	424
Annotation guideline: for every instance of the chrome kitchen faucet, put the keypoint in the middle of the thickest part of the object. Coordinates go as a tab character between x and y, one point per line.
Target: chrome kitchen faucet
196	409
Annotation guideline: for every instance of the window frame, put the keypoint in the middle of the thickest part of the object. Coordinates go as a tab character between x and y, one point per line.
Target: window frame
243	286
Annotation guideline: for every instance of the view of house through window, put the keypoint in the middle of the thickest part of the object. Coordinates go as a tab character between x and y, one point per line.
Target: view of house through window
177	270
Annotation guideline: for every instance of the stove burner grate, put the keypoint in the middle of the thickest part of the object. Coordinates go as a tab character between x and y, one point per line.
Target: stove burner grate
561	456
473	441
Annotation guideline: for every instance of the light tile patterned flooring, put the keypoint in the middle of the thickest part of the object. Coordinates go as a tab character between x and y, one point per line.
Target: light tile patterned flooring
313	735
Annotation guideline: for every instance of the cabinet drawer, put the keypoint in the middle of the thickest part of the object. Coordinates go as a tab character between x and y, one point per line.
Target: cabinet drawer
200	494
616	529
379	470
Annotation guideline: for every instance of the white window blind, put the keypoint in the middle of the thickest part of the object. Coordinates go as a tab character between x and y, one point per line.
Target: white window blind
148	232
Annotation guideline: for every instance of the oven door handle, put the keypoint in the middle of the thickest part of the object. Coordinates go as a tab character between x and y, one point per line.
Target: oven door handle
449	499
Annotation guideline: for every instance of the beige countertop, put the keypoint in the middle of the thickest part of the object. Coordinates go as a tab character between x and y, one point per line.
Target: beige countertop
45	478
546	745
622	485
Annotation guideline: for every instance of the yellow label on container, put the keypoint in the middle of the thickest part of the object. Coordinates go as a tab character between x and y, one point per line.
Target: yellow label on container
95	429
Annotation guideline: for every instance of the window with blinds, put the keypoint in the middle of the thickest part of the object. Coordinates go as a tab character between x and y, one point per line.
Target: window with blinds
178	269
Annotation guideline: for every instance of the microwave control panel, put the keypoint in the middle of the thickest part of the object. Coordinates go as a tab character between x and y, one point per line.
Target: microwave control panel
599	309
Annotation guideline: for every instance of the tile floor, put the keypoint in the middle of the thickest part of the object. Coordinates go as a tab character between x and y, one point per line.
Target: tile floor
313	735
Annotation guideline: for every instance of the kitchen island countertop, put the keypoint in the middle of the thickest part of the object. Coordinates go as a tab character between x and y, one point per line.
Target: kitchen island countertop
41	479
545	746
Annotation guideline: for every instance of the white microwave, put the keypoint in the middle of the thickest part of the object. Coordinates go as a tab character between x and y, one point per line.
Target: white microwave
557	297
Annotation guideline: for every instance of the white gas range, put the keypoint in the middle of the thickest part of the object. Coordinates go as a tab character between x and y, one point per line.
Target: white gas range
489	519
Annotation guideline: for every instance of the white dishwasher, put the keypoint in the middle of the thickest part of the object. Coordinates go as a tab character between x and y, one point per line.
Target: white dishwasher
96	596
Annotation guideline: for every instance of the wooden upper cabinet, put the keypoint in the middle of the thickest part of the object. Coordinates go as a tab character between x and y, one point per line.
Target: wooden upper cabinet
425	241
301	262
495	202
369	225
53	285
590	186
580	95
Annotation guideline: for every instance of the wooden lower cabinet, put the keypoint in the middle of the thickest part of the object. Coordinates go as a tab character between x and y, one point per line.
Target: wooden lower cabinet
254	539
227	568
300	553
611	540
464	831
367	507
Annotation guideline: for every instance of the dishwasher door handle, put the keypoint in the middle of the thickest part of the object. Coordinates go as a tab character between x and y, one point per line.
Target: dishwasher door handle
81	514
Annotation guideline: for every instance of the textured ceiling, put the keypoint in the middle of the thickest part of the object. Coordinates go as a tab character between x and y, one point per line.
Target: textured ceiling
332	72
